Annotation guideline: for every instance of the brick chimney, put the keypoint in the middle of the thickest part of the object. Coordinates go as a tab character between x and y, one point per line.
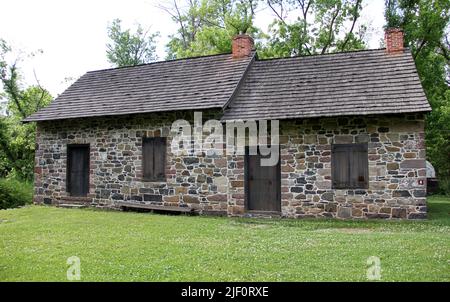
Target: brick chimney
393	38
242	46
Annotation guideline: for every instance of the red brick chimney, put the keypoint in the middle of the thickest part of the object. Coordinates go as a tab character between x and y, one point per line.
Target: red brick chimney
242	46
393	38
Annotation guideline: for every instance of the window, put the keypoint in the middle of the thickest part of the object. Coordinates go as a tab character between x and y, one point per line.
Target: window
349	166
154	158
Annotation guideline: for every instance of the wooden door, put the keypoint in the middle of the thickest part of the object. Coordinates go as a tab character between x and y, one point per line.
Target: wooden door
78	170
154	158
263	186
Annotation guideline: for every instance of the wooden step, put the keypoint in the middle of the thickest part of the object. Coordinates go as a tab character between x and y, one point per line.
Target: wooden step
86	201
71	205
154	207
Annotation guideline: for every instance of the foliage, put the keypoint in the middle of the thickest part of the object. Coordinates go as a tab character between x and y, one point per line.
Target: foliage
123	246
444	186
128	49
17	140
426	25
15	193
207	26
321	26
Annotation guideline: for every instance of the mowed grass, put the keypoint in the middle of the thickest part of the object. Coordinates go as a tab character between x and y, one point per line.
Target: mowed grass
35	242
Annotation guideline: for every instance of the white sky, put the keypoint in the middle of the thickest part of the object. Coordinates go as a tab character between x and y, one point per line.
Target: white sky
72	33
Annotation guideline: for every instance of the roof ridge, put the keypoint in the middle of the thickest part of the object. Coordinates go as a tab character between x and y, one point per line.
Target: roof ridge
162	61
195	83
241	81
406	50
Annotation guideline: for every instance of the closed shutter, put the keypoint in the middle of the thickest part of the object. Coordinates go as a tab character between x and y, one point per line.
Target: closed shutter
159	158
340	163
359	166
349	165
154	158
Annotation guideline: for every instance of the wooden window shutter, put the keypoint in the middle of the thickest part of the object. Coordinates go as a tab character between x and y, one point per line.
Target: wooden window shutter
159	158
154	158
340	166
359	165
147	158
349	166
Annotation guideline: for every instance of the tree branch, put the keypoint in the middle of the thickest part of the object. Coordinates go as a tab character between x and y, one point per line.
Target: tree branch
355	18
422	44
179	19
305	9
444	50
279	15
330	32
12	90
41	98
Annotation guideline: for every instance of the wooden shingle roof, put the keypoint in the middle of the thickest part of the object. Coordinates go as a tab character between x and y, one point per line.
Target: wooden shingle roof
352	83
195	83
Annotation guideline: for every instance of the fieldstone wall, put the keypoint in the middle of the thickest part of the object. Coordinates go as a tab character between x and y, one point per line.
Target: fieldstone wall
397	174
215	184
198	182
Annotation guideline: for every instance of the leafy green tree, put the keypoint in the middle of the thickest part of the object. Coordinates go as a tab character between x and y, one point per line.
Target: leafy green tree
207	26
128	49
17	140
426	28
321	26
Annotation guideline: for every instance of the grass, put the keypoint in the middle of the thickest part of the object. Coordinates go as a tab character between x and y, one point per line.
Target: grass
35	242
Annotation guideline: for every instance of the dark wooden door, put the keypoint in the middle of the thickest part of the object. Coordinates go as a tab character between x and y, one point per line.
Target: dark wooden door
263	186
78	170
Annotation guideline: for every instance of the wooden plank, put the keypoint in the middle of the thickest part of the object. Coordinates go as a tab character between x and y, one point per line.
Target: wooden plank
147	158
359	162
262	185
159	158
154	158
154	207
349	166
340	166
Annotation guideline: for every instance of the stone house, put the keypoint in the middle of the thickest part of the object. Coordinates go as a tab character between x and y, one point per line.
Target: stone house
351	136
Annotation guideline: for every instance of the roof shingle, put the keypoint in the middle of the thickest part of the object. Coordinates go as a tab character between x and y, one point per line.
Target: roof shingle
352	83
195	83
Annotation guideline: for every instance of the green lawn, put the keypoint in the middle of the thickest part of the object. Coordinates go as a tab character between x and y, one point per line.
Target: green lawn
36	241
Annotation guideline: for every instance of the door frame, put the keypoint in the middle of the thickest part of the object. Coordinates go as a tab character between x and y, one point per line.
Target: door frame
246	183
73	146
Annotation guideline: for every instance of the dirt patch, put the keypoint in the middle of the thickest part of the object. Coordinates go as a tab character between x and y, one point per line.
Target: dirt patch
346	230
240	224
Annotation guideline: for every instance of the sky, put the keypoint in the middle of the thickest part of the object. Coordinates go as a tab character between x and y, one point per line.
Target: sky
72	33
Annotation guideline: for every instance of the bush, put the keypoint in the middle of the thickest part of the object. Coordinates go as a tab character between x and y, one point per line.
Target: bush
15	193
444	186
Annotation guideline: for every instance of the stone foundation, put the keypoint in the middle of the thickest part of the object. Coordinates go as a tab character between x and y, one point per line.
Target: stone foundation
215	184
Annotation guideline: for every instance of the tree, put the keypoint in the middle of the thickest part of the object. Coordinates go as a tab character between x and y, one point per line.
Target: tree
17	140
207	26
128	49
321	26
426	28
